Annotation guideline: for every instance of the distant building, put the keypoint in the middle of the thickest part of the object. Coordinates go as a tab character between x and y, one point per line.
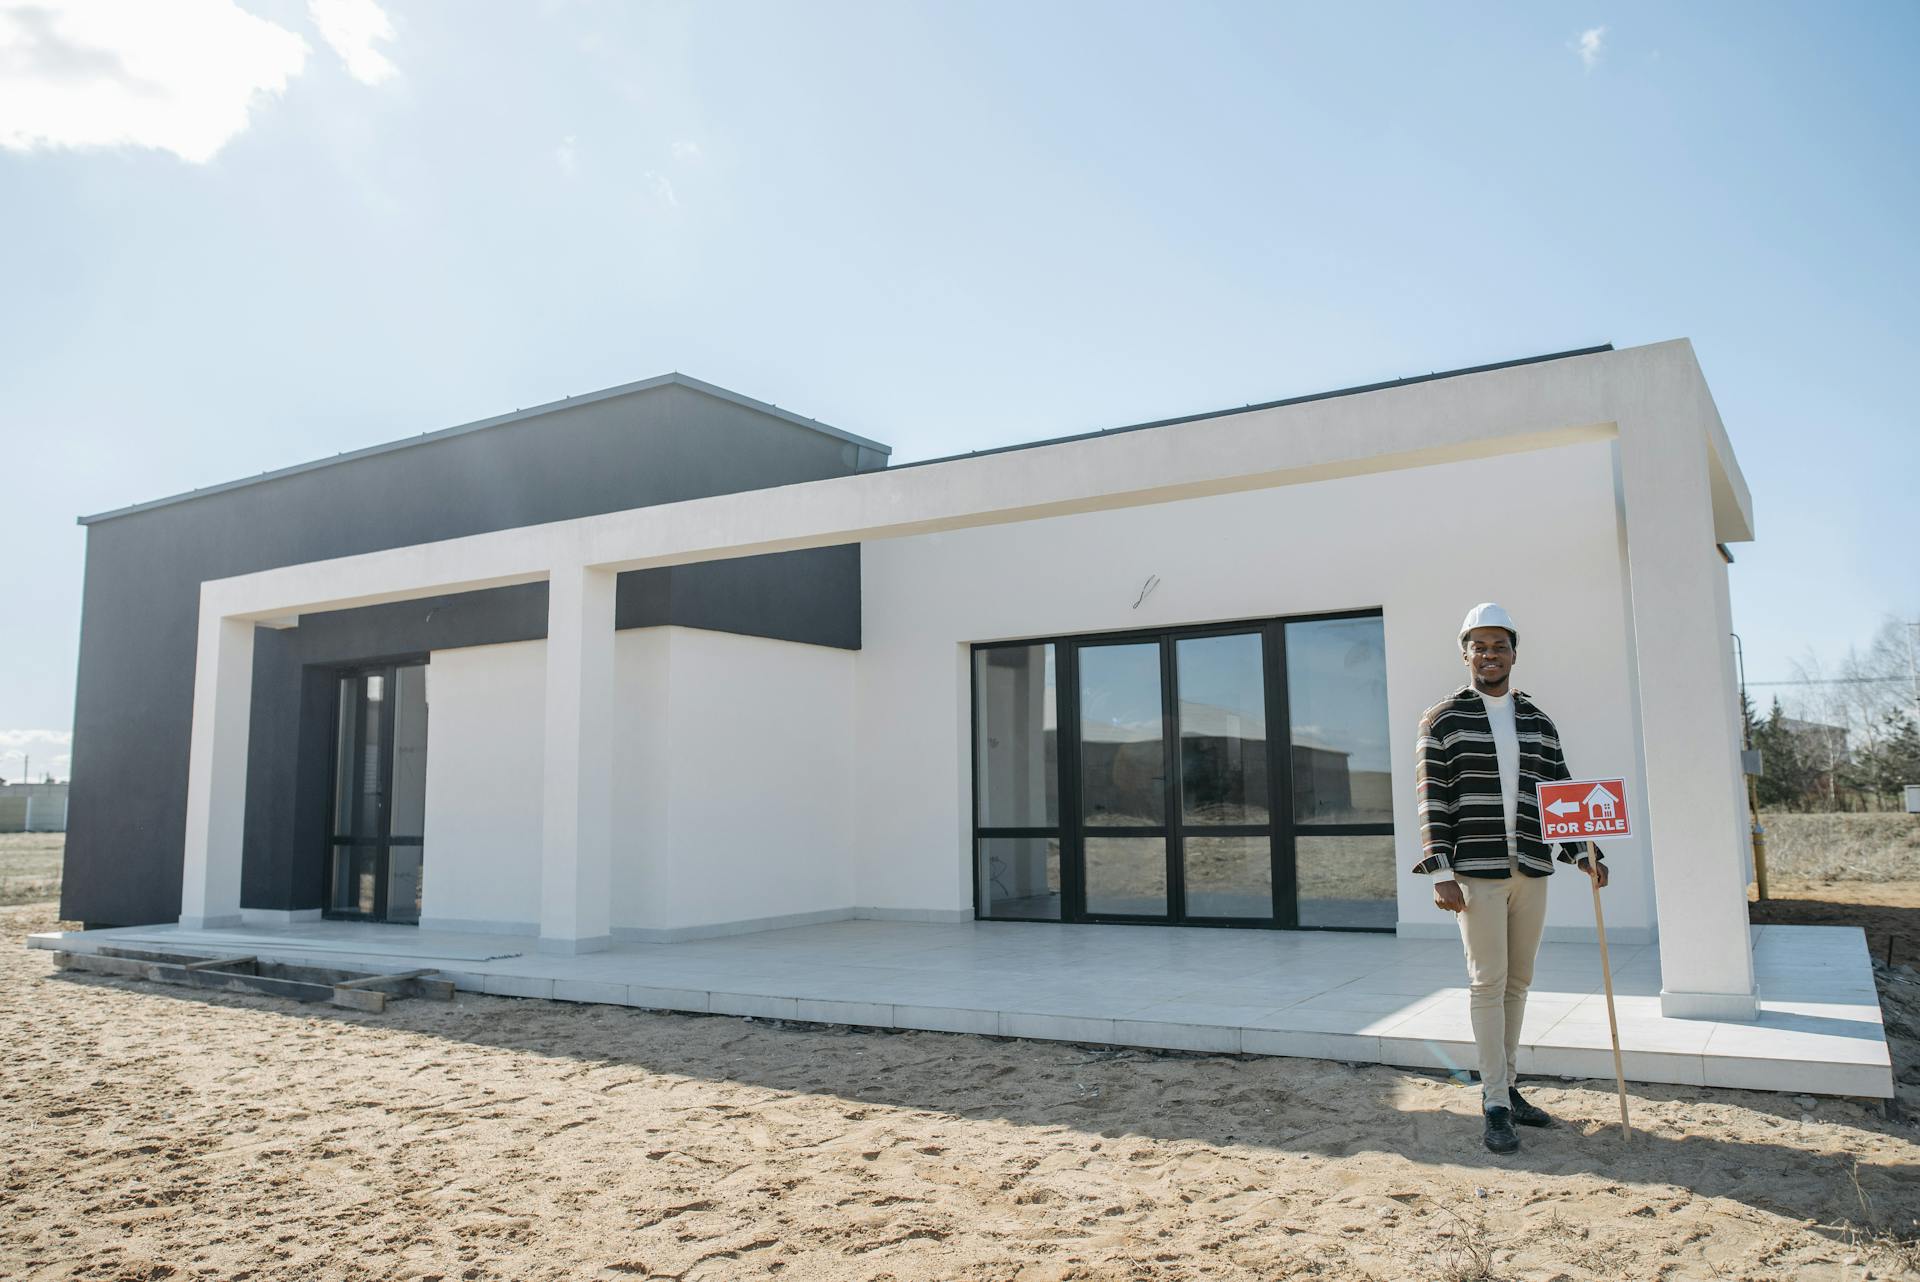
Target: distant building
1826	743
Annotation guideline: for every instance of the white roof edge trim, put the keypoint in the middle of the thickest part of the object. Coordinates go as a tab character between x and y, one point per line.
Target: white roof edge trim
1645	397
500	420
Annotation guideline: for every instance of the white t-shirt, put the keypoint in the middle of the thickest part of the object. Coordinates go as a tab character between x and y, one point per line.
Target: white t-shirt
1506	750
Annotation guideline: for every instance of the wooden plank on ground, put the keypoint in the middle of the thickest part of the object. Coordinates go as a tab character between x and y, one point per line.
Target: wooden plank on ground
353	990
148	954
236	964
370	981
94	964
366	999
260	985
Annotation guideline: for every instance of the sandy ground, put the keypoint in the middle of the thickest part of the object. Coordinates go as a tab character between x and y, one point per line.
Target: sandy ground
1889	912
152	1133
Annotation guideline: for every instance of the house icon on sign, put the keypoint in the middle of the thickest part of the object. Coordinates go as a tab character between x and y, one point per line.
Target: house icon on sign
1599	803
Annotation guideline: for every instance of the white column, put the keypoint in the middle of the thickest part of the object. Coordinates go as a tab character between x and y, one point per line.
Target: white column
1695	807
577	790
217	772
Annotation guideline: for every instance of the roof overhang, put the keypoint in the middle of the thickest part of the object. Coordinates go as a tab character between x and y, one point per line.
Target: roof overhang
501	420
1655	389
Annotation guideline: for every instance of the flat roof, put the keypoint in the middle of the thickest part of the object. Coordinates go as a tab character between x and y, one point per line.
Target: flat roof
500	420
736	398
1263	405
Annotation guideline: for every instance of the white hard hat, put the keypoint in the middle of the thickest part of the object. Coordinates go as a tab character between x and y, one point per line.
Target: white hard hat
1488	614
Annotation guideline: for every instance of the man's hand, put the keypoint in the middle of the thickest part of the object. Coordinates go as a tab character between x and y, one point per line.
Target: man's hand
1595	869
1446	894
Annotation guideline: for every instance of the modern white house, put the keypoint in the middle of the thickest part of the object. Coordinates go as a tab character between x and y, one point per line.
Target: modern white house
1166	674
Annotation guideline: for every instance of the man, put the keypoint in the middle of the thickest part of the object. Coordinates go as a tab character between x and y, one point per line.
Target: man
1481	752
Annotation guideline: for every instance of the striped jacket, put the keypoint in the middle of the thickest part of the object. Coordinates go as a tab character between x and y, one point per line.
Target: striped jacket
1463	825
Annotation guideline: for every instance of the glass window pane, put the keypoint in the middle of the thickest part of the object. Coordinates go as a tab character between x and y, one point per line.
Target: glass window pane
1016	730
410	751
355	873
1223	729
1345	881
1122	763
346	735
370	810
1337	702
1127	875
1229	877
403	883
1020	877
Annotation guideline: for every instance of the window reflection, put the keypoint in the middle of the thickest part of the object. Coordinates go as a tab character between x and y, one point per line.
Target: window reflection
1020	877
1223	729
1122	762
1127	876
1229	877
410	752
1016	733
1346	881
1337	703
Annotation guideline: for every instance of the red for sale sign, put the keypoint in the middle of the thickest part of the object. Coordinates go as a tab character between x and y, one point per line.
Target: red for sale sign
1580	809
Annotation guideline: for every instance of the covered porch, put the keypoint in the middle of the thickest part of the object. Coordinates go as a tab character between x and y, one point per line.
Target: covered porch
1370	998
1637	434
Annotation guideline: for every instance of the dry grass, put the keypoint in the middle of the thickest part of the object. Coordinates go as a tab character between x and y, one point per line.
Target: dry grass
30	866
1842	847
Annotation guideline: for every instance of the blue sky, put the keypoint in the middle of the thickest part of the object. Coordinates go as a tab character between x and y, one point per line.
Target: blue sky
946	227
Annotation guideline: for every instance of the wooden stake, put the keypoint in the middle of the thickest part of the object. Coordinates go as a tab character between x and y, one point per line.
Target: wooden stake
1606	974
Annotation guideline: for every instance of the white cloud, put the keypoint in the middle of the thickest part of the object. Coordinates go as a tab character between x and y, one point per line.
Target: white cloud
685	150
42	751
661	188
179	77
351	27
1590	46
566	155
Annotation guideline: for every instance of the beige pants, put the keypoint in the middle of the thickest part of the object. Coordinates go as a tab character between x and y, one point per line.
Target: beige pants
1501	930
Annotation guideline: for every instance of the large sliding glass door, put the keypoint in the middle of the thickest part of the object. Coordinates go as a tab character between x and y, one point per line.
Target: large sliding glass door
377	823
1225	775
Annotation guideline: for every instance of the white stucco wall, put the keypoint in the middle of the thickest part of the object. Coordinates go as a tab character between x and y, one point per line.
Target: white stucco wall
642	774
480	861
743	788
732	777
759	780
1536	531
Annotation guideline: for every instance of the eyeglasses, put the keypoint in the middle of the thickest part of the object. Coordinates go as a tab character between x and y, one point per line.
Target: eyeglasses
1479	651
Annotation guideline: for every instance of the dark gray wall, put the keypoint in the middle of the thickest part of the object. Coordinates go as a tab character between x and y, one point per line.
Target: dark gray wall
133	711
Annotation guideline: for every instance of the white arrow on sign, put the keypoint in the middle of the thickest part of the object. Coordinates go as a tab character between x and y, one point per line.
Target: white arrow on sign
1563	808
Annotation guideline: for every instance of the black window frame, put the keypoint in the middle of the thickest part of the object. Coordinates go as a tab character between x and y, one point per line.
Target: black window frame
1281	829
333	842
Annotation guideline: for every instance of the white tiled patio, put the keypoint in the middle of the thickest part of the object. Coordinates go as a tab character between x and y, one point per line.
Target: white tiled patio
1362	997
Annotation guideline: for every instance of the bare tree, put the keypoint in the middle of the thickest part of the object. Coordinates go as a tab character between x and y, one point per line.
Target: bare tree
1869	698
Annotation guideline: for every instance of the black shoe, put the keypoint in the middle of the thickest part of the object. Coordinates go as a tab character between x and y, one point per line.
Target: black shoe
1500	1133
1527	1114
